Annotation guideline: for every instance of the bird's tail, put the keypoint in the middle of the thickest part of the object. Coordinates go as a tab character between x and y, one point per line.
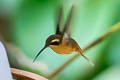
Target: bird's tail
89	61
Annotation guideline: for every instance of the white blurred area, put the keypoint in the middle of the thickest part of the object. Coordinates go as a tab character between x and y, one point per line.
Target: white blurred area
5	73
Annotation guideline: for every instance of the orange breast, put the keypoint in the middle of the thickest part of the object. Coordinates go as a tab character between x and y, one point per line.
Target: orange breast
62	49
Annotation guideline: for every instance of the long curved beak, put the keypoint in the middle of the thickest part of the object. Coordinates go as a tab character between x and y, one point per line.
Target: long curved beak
39	52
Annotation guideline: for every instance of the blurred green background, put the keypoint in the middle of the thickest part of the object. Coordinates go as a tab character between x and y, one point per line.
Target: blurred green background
26	24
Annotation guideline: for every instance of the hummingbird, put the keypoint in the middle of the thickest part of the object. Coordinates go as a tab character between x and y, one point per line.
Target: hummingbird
61	42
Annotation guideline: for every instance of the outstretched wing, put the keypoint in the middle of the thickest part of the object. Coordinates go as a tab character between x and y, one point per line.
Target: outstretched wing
60	15
66	30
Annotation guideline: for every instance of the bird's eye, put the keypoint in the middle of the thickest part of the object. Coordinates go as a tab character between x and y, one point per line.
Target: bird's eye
55	43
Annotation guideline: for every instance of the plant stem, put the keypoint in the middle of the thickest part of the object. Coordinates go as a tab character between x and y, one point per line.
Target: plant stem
26	75
92	44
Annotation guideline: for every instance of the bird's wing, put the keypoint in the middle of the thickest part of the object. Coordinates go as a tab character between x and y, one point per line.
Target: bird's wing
66	30
60	15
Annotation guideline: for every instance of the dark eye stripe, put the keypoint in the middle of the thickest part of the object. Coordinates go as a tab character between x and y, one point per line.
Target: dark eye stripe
55	43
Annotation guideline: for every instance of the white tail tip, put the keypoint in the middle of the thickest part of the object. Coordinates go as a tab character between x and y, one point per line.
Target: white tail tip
91	63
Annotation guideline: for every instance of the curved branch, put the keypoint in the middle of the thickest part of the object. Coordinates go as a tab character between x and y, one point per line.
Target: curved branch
92	44
27	75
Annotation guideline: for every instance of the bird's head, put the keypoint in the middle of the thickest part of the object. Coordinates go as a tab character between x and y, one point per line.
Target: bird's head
53	40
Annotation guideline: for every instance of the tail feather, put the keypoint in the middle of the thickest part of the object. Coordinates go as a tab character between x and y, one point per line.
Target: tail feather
89	61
